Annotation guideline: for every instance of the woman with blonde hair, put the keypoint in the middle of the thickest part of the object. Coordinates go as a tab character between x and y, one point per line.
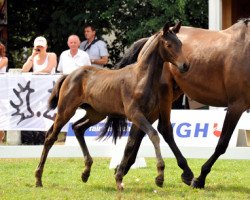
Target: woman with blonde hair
40	60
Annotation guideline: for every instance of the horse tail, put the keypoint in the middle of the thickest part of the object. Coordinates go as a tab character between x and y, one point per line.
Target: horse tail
132	53
116	126
53	99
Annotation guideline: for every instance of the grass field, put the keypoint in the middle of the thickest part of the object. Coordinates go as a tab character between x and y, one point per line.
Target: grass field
229	179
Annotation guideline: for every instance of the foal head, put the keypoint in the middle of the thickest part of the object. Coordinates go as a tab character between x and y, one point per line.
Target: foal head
171	47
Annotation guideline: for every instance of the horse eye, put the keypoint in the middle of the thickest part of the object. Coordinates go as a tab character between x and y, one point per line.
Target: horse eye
169	45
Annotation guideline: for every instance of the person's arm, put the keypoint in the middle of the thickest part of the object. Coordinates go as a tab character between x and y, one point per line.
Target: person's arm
52	63
103	54
29	63
60	64
4	62
102	61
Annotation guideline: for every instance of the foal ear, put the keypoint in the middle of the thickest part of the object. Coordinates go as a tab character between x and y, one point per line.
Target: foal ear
165	28
177	27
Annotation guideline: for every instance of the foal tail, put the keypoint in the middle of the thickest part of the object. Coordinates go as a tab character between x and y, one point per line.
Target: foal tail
116	126
53	99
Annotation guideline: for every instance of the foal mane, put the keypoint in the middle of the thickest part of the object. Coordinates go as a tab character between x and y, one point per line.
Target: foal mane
149	45
135	51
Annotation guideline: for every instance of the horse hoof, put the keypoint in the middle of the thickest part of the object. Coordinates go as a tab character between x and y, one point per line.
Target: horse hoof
120	186
39	184
187	178
159	181
196	183
85	177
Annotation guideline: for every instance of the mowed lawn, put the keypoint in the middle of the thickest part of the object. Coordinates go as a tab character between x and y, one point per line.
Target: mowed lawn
229	179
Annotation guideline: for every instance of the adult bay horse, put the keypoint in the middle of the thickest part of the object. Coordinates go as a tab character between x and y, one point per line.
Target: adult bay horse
218	76
131	92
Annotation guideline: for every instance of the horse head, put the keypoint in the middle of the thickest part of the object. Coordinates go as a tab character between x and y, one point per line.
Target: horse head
172	47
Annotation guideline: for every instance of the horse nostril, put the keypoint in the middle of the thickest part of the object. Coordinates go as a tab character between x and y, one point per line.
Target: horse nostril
185	67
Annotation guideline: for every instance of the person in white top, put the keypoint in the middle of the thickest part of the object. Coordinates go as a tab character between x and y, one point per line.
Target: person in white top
3	59
40	60
73	58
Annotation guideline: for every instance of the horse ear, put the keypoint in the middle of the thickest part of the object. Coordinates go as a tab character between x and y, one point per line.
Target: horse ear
177	27
166	28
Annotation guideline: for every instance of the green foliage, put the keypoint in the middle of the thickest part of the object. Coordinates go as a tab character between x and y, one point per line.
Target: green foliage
127	20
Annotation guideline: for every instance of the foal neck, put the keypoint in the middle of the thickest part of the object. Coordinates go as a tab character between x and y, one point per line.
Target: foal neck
150	58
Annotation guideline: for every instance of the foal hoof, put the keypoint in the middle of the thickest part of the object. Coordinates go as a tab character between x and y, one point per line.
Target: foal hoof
159	181
187	178
120	186
196	183
85	177
39	184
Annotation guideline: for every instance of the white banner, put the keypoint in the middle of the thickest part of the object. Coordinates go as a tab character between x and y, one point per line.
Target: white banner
23	101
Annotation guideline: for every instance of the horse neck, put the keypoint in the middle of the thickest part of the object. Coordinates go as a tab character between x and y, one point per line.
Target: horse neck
150	64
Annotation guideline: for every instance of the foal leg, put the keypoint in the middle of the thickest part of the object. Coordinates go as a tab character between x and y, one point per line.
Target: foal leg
134	140
232	117
51	137
140	121
91	118
132	147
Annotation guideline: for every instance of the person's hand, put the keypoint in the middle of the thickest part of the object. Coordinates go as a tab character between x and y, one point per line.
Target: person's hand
35	51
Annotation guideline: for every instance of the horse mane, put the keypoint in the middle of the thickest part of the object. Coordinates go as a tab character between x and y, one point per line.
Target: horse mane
244	20
241	23
148	46
136	50
131	54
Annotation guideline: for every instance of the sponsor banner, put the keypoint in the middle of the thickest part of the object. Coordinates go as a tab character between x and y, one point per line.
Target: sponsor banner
191	128
23	101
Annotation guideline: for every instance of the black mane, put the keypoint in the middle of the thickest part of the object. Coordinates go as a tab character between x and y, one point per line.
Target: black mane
131	54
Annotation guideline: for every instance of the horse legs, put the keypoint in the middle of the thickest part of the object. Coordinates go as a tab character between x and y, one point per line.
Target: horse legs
166	97
132	147
167	133
140	121
232	117
51	137
134	140
79	127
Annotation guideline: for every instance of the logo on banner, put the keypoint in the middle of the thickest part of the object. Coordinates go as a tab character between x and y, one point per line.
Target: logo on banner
182	130
187	130
22	107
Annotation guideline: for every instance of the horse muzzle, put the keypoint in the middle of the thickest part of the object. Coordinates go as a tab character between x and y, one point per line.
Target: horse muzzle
184	67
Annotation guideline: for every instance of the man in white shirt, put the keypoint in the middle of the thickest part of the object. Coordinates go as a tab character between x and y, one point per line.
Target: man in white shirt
73	58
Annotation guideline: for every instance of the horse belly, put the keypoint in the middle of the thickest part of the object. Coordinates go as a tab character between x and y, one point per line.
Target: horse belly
106	103
213	96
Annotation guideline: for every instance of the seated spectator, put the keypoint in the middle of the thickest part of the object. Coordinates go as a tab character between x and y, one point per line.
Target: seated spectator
3	59
73	58
40	60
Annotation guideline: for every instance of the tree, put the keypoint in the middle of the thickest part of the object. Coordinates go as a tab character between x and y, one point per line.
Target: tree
127	20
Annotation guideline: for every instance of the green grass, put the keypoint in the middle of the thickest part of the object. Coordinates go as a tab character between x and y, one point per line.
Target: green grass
229	179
